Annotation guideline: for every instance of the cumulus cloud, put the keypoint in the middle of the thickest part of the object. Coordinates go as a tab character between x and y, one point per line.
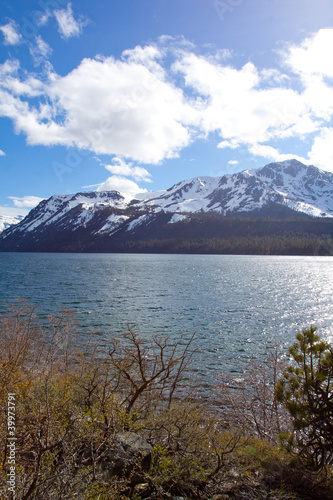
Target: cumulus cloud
155	100
109	107
266	151
68	26
25	201
125	186
120	167
313	56
11	33
11	85
119	182
321	153
2	153
237	106
312	62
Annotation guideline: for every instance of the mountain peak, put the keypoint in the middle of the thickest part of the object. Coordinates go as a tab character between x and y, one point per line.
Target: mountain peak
277	188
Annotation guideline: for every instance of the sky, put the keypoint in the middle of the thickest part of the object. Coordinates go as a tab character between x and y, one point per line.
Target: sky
136	96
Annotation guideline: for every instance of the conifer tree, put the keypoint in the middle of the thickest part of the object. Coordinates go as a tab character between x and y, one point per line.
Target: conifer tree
306	389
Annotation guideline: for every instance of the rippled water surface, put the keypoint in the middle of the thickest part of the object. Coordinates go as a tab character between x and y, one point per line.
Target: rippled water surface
235	304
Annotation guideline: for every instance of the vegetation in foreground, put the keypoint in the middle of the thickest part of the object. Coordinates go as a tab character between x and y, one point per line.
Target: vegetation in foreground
122	421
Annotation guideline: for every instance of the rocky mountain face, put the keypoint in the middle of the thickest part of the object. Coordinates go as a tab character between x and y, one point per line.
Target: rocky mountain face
101	221
290	183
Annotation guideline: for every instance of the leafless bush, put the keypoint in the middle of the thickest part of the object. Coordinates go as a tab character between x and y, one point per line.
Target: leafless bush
249	401
149	371
71	403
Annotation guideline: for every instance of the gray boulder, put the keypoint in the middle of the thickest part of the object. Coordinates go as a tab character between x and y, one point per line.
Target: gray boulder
130	452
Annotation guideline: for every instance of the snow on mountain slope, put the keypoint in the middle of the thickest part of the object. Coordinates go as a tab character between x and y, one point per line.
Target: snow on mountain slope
9	220
185	196
57	208
287	184
305	189
112	223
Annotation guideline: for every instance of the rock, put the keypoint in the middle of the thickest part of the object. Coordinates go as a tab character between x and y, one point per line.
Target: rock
129	451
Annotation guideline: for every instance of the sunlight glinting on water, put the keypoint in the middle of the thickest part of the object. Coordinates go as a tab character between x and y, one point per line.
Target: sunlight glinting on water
236	305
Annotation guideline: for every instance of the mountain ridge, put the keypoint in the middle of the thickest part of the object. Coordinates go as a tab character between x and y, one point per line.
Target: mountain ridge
258	187
107	221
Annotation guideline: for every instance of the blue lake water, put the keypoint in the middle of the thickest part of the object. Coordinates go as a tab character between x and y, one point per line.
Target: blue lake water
236	305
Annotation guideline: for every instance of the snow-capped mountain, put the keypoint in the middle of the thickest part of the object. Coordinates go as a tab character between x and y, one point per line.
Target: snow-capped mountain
96	220
303	188
290	183
9	220
74	210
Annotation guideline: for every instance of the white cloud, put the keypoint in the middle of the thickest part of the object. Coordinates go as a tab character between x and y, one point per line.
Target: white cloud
25	201
272	154
12	85
313	56
312	61
9	67
11	33
266	151
273	77
250	108
321	154
293	156
120	167
2	153
237	105
68	26
12	211
155	100
233	144
109	107
125	186
146	56
40	50
44	18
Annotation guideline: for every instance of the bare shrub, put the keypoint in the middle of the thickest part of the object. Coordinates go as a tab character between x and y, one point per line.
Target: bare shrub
250	402
148	371
70	403
75	408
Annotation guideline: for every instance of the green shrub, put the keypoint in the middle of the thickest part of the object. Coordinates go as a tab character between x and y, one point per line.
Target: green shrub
72	405
306	389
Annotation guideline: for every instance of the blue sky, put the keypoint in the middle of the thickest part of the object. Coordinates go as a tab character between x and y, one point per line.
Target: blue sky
138	95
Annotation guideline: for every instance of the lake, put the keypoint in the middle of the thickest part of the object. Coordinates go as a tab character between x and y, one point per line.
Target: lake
236	305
